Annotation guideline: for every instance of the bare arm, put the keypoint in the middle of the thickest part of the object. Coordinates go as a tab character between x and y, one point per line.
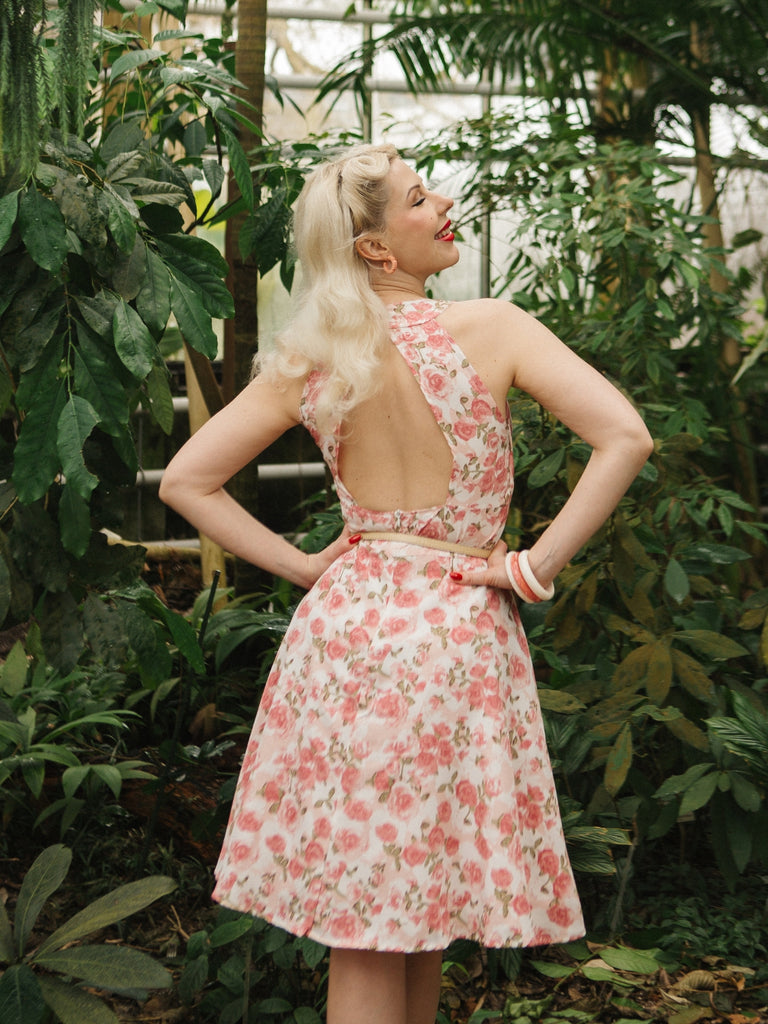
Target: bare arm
193	483
531	358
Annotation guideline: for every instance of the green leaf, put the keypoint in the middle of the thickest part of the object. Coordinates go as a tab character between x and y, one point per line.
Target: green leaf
43	878
619	761
76	421
113	968
9	208
43	230
36	460
149	190
692	676
201	268
98	380
133	342
214	175
659	673
110	776
74	1006
638	961
73	778
134	59
560	701
160	397
679	783
676	582
120	220
193	320
130	269
231	931
240	167
699	794
21	999
153	300
15	669
97	311
711	644
552	970
746	795
74	521
107	910
547	469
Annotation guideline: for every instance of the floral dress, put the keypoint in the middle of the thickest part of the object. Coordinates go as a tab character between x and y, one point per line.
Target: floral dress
396	792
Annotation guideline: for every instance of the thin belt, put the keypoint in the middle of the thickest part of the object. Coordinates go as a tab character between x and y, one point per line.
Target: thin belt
425	542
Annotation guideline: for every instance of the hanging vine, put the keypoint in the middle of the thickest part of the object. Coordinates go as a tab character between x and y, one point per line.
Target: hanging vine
40	85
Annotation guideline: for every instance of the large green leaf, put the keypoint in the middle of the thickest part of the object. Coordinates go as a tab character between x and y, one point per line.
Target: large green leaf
153	300
201	269
692	676
133	342
72	1005
121	220
109	909
134	59
74	521
193	319
76	421
21	999
36	460
44	877
98	380
113	968
160	397
43	230
711	644
97	311
240	167
13	677
129	269
619	761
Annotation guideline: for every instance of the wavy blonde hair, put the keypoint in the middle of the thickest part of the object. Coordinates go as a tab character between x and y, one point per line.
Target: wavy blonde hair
339	325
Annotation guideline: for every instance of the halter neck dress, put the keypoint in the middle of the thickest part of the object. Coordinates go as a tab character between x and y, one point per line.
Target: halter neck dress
396	792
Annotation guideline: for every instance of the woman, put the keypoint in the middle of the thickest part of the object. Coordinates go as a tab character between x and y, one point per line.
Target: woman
396	793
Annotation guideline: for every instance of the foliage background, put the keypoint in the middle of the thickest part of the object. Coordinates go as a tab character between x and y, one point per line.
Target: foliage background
652	660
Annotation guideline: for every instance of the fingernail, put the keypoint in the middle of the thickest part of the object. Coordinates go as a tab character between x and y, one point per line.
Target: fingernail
456	576
355	538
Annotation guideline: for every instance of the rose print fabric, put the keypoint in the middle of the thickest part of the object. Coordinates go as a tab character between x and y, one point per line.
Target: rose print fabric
396	792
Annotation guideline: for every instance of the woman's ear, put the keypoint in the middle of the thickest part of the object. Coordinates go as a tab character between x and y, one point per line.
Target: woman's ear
373	250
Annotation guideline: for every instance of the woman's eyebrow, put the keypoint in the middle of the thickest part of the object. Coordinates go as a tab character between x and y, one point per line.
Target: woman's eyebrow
418	185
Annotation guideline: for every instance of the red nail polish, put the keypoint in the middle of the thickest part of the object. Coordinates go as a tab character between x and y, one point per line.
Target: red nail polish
456	576
355	538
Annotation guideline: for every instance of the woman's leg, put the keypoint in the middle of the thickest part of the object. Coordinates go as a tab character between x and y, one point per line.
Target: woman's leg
368	987
423	974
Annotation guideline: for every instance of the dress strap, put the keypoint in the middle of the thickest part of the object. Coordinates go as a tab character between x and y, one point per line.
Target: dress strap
425	542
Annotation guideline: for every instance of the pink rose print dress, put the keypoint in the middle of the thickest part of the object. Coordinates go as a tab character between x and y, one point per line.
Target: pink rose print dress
396	792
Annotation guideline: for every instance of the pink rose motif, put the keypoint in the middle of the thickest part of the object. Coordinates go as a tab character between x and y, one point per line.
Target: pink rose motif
562	884
272	792
465	429
549	862
322	828
501	877
276	844
435	384
426	763
350	778
358	810
466	793
386	832
521	905
344	926
391	705
507	824
238	852
335	649
435	616
472	872
560	915
485	622
407	598
359	637
462	634
483	848
436	838
452	846
347	841
371	618
401	802
444	811
295	868
248	822
313	853
317	627
415	854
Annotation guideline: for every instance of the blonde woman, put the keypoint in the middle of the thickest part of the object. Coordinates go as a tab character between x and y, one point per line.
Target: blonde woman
396	792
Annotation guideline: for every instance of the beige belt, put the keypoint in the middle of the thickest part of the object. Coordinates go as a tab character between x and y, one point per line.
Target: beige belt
425	542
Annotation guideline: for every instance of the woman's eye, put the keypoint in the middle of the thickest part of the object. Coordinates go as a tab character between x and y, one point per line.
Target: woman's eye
419	201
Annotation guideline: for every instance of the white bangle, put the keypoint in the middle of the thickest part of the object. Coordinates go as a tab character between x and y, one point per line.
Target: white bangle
543	593
516	580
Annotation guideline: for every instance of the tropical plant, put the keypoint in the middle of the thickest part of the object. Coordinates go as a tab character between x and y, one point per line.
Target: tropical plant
59	972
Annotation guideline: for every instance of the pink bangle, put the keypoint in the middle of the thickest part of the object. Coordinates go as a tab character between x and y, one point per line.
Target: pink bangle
543	593
523	581
516	578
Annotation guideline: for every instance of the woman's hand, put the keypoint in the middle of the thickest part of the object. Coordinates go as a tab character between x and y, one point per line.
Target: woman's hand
494	575
318	562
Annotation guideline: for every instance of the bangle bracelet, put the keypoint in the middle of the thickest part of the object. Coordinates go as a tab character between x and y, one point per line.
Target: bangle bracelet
517	580
542	593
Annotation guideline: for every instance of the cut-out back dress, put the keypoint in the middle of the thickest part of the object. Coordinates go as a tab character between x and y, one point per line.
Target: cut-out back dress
396	792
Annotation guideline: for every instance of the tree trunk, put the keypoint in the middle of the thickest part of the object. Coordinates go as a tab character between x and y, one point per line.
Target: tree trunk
241	333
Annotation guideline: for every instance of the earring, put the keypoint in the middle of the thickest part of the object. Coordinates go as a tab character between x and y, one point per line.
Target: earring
389	265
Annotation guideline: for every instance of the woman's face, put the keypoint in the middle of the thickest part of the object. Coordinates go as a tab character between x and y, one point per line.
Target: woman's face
417	227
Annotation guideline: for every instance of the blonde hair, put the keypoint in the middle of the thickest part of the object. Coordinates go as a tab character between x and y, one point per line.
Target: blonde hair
340	325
